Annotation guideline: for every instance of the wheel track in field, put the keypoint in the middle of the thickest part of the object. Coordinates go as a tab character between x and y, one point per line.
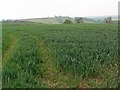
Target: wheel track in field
48	63
52	72
8	52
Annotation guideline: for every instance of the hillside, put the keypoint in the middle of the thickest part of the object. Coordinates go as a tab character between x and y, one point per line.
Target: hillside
56	20
61	19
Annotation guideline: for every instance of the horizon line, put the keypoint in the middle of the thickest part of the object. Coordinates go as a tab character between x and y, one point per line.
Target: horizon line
57	16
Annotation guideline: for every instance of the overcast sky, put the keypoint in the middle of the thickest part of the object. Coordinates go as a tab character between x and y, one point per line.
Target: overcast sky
18	9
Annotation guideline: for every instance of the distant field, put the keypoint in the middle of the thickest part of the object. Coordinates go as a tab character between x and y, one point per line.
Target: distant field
45	20
72	56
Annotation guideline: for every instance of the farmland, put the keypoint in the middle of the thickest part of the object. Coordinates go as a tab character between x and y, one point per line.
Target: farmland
66	55
0	55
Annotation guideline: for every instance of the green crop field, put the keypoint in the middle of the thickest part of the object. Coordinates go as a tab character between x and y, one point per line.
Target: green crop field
0	55
67	55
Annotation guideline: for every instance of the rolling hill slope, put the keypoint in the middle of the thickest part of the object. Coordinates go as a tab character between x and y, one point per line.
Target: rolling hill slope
56	20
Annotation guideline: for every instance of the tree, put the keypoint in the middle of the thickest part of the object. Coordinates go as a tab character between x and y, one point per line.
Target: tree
78	20
108	20
67	22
